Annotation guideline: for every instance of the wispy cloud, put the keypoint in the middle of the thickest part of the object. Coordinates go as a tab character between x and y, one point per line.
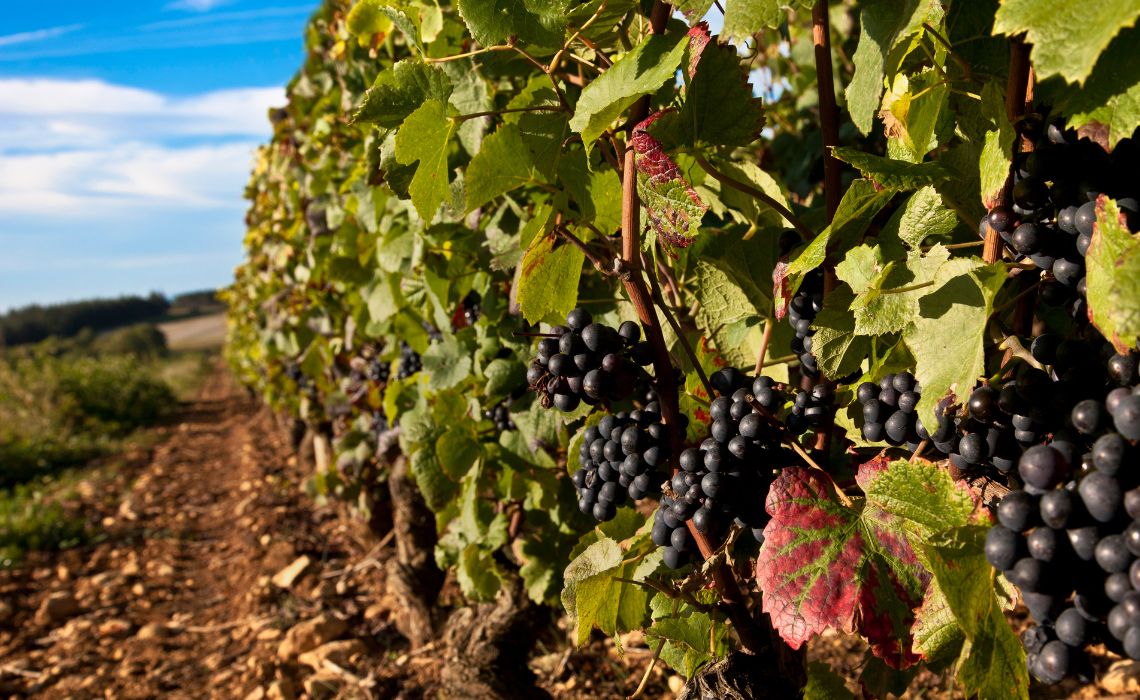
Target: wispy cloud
230	17
196	5
38	35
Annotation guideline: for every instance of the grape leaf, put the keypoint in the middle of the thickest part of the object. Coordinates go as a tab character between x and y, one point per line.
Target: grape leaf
718	108
368	17
542	132
424	137
991	660
693	9
640	72
457	449
502	164
548	278
860	203
673	207
883	25
743	18
477	573
827	565
1049	27
948	336
727	313
838	350
912	111
541	22
922	216
594	597
597	193
1110	96
437	488
892	174
401	90
690	637
1113	277
745	208
446	363
997	149
824	683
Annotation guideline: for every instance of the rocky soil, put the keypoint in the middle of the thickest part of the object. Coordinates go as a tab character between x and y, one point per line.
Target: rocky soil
216	576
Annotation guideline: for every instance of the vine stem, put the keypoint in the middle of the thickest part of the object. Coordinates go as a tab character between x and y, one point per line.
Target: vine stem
1018	93
769	325
665	376
828	111
600	264
803	229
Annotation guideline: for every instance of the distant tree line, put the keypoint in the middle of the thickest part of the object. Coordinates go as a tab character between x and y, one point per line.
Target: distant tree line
31	324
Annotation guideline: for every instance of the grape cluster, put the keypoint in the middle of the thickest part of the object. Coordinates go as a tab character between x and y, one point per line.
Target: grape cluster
587	362
1054	205
619	457
1069	537
802	310
377	371
724	480
409	363
500	416
889	410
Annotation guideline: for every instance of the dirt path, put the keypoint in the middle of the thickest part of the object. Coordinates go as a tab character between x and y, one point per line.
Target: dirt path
177	601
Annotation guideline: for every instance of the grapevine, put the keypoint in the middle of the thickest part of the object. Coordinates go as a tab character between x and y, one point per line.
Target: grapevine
759	363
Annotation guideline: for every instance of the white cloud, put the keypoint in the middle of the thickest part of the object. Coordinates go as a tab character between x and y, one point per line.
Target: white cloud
76	149
38	35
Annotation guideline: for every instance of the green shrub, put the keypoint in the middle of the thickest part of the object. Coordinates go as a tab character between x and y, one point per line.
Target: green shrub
30	519
142	341
112	395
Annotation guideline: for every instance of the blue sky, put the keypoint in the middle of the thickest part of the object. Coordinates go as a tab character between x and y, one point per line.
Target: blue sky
126	136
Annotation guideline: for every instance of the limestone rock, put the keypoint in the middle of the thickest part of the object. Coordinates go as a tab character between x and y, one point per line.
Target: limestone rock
1122	678
57	607
285	578
339	653
309	635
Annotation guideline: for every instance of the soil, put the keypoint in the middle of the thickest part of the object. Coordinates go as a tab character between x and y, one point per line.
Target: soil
186	594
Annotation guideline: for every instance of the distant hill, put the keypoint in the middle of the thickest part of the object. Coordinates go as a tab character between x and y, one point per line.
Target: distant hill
31	324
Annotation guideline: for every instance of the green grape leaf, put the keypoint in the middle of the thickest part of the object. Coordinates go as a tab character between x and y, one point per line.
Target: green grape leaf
477	573
502	164
401	90
541	22
447	363
640	72
1109	102
437	488
457	449
889	302
912	111
746	208
689	636
1113	277
746	262
543	132
548	278
860	267
727	313
825	684
997	149
693	9
1049	27
883	25
369	17
860	203
594	597
937	634
991	660
424	137
947	337
718	109
923	215
743	18
597	193
838	350
892	174
503	377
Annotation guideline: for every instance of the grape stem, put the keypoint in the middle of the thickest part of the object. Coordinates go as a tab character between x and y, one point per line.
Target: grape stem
828	111
665	375
600	264
769	325
1018	93
655	291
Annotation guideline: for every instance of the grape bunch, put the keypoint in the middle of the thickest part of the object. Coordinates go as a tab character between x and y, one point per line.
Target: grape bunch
724	479
802	310
587	362
468	312
1069	537
619	458
1051	219
889	410
500	416
377	371
409	363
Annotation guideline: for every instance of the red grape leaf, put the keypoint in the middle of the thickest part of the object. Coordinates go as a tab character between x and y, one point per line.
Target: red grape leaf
826	565
673	206
699	38
781	288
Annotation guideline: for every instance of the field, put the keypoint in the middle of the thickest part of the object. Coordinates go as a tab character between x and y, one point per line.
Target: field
199	333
